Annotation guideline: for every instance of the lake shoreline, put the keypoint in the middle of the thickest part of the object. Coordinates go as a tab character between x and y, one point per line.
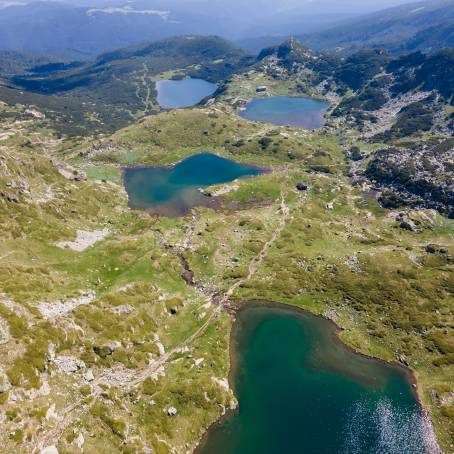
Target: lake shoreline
182	92
213	202
237	307
254	110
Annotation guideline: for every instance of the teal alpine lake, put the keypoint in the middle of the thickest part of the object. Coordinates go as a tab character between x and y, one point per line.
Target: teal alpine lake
301	391
173	191
284	110
173	94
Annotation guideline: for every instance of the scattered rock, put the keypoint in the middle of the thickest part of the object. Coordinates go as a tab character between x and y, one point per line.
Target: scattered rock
356	154
160	346
88	375
188	277
51	413
435	249
35	113
84	239
61	308
403	360
353	263
4	332
49	450
301	187
409	225
431	249
199	361
79	441
123	309
221	191
68	364
222	382
71	173
417	220
12	199
106	350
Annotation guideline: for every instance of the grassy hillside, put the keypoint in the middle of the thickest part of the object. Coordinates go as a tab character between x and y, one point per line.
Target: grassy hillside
118	87
100	333
120	309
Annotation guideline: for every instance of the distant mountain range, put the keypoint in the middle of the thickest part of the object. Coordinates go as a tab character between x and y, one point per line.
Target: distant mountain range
82	29
75	33
425	26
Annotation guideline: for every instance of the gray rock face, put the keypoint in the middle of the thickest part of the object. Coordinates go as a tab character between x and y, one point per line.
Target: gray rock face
409	225
106	350
88	376
403	360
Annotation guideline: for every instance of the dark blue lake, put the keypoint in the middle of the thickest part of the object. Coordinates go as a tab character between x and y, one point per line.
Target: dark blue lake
284	110
173	94
173	191
301	391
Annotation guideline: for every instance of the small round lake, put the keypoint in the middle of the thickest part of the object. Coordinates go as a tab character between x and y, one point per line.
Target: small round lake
173	94
174	190
284	110
301	391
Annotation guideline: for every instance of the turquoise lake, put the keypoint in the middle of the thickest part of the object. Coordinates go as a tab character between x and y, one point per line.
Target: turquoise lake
173	94
300	390
173	191
284	110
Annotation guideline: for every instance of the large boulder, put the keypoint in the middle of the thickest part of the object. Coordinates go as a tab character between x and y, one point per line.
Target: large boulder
49	450
302	187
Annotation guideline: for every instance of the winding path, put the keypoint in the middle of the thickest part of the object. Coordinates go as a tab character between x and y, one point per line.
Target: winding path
78	409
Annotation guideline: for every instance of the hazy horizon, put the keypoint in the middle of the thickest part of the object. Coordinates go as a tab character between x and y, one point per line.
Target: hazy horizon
261	6
81	29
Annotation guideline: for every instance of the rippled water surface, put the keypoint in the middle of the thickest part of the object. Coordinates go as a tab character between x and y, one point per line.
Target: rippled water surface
301	391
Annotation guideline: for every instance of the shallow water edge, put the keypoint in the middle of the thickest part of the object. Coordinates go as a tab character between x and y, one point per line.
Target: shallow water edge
194	187
334	332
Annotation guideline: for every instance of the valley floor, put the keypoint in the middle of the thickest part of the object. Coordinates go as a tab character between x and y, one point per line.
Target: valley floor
104	347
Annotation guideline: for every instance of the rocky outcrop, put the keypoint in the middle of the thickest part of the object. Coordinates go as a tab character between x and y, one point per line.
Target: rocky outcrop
420	176
84	240
55	309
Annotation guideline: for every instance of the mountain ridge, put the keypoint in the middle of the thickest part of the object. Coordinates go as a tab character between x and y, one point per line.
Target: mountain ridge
395	29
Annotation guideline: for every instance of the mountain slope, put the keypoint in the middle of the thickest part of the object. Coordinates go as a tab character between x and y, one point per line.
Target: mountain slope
119	86
395	28
73	32
83	29
432	38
